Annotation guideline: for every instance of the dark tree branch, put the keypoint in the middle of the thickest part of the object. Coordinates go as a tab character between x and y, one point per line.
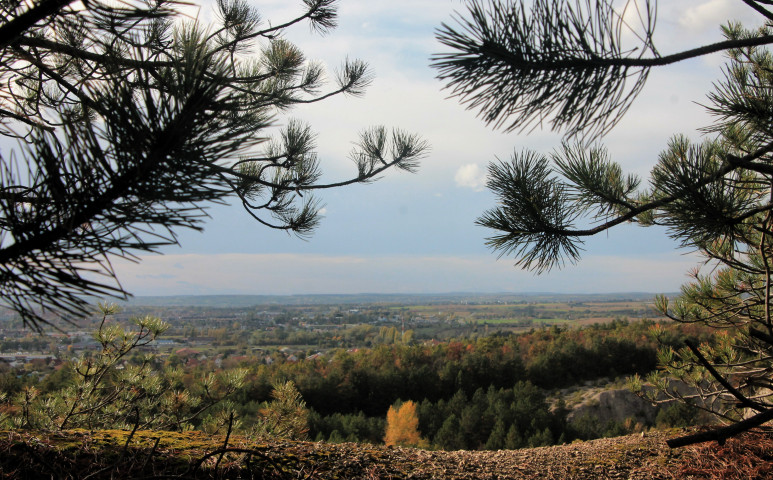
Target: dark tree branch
743	399
500	53
720	435
761	10
56	47
654	205
760	335
12	29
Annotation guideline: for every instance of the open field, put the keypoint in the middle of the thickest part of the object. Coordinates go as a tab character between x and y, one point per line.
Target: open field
533	313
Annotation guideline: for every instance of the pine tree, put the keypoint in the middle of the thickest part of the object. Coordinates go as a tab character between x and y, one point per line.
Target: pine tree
496	441
449	436
513	440
519	66
285	416
107	391
133	117
566	64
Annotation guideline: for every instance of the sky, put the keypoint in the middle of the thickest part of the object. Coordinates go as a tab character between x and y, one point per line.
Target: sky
416	233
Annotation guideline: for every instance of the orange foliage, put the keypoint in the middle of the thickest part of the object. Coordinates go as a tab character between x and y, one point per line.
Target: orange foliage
403	426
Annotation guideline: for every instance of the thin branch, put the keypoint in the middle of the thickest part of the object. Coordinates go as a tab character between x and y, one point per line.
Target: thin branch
745	401
497	52
26	120
731	166
56	47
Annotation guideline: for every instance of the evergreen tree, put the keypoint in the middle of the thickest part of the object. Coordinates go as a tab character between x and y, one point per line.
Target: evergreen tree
449	437
523	64
106	391
496	441
566	61
513	440
285	416
541	438
132	118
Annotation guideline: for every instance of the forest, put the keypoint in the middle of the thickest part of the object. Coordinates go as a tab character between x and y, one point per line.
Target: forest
505	389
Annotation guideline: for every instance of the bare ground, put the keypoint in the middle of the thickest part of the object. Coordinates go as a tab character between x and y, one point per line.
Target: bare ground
156	455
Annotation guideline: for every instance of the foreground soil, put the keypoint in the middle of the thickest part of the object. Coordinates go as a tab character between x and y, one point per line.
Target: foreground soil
117	454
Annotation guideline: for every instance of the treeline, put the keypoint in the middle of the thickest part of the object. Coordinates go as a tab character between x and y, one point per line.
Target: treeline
357	335
471	393
488	392
370	380
493	419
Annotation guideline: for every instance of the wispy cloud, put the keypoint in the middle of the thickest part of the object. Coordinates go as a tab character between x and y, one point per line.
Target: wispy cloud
707	15
284	274
431	215
471	176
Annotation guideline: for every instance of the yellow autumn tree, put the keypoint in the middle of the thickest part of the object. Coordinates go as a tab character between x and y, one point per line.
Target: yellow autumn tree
403	426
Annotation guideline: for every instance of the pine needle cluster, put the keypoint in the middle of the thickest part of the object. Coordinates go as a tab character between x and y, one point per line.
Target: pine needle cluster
132	117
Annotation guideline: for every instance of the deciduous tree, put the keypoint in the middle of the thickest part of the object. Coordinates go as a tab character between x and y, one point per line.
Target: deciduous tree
402	426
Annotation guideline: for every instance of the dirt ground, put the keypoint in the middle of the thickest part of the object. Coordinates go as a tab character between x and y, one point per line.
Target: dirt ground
193	455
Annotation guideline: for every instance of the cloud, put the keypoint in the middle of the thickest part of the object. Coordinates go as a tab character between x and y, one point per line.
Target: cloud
471	176
424	239
710	14
160	276
286	274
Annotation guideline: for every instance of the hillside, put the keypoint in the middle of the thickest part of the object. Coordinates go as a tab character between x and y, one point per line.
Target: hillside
101	455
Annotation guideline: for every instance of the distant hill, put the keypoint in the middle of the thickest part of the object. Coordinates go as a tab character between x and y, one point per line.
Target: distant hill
242	301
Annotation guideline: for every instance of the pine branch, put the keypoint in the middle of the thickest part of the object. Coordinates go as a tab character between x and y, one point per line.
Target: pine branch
543	236
555	62
12	29
720	435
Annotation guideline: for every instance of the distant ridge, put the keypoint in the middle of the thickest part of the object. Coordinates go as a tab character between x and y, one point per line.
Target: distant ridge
242	301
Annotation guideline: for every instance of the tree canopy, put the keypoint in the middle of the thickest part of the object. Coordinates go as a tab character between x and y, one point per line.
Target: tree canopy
564	63
131	117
